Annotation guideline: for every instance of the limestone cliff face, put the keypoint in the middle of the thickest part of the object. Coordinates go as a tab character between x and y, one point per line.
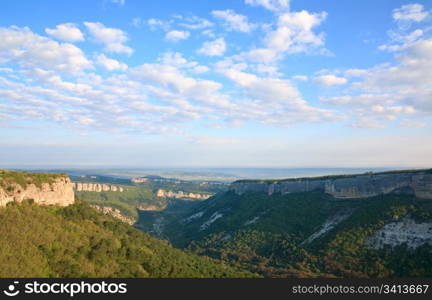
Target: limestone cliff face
418	183
58	192
96	187
405	231
181	195
116	213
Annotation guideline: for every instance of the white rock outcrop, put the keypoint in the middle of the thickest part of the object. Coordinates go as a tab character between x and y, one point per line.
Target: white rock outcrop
58	192
406	231
181	195
96	187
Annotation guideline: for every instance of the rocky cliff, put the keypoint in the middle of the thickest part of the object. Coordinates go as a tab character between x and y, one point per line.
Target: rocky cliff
182	195
406	231
43	189
416	182
96	187
116	213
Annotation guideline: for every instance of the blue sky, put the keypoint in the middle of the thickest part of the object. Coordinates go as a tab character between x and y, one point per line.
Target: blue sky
245	83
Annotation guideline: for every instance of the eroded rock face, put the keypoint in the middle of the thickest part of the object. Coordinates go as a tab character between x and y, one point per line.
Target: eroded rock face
356	186
116	213
59	192
181	195
406	231
96	187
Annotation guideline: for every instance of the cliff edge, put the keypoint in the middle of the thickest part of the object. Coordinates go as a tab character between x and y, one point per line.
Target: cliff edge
42	188
414	182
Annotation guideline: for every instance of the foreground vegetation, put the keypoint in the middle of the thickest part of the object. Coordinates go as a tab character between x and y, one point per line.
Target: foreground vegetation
77	241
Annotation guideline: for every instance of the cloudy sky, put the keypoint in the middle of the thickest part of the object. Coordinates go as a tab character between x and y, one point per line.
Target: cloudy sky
252	83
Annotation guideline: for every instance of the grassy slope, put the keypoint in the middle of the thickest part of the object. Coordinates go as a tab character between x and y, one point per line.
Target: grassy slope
76	241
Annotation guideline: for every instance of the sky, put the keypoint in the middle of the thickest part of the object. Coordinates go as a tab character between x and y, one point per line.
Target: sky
229	83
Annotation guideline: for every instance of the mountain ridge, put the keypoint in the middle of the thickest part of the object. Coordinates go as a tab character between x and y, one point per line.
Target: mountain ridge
411	182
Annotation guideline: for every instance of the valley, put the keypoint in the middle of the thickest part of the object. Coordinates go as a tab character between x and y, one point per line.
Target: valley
268	228
308	233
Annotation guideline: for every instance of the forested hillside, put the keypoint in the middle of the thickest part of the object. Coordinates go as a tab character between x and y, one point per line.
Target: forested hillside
77	241
309	234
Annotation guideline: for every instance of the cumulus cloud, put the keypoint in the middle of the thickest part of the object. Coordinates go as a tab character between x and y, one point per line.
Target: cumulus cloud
177	60
177	35
22	46
286	106
110	64
213	48
272	5
112	38
46	80
330	80
388	92
156	24
194	22
402	37
233	21
294	33
410	12
67	32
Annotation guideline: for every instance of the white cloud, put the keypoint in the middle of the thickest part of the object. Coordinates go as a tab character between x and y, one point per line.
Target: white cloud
67	32
389	92
177	60
272	101
330	80
213	48
270	70
177	35
208	33
156	23
233	21
272	5
200	69
293	34
295	31
402	41
112	38
195	23
110	64
22	46
410	12
410	74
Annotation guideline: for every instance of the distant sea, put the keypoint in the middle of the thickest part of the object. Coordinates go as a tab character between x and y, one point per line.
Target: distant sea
209	174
